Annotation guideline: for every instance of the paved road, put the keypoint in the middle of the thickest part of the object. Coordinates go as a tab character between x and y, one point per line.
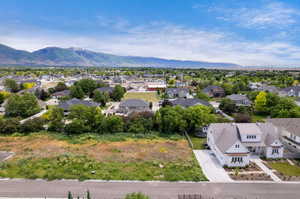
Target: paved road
211	167
5	155
34	116
157	190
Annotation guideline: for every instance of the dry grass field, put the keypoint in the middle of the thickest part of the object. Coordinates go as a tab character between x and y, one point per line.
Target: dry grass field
147	96
38	155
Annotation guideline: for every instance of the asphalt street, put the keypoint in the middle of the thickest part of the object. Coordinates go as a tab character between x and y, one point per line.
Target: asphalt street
157	190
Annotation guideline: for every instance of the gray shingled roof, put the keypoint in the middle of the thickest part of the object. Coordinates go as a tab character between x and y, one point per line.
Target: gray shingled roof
67	104
134	103
291	125
226	134
189	102
175	91
105	89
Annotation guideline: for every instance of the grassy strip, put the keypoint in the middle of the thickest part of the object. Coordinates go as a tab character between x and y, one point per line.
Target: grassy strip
118	137
147	96
69	166
285	168
198	143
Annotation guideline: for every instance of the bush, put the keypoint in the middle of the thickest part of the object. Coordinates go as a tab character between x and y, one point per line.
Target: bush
33	125
136	196
9	126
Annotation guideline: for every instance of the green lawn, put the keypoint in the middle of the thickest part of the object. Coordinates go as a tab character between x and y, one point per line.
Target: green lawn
70	166
286	168
147	96
258	118
198	143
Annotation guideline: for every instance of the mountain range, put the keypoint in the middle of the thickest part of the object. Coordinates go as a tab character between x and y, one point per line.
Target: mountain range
55	56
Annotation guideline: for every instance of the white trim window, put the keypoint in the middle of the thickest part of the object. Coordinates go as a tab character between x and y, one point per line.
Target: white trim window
236	159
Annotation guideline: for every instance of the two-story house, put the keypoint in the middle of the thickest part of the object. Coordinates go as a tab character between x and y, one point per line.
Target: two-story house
290	130
233	143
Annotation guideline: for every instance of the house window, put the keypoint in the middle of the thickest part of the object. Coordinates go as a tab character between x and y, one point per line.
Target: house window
275	151
236	159
251	136
237	146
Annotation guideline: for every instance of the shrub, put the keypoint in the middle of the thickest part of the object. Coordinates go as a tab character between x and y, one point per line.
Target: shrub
136	196
33	125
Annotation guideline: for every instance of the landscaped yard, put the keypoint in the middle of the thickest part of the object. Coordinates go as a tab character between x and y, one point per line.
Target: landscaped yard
47	156
286	168
147	96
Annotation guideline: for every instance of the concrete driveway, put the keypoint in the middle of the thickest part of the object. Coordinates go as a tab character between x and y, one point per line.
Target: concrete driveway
211	167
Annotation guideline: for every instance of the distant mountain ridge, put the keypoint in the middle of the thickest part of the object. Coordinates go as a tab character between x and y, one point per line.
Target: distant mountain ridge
55	56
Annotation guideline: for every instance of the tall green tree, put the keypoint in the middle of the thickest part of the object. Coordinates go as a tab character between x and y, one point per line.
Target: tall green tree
261	102
11	85
22	105
76	92
101	97
118	93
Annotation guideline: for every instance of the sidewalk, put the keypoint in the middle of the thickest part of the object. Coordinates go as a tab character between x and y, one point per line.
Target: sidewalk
269	172
211	167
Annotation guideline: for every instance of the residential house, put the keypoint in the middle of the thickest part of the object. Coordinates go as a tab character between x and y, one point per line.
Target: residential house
107	89
157	85
290	130
189	102
239	100
177	92
292	91
133	105
233	143
214	91
61	94
267	88
66	105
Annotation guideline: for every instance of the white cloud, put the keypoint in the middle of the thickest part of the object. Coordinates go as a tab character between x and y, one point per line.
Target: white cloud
273	14
160	39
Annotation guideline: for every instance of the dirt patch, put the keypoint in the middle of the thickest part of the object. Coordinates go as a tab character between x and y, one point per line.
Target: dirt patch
125	151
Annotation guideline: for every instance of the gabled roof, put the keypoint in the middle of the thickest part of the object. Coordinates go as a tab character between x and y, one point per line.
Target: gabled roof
212	88
67	104
174	91
291	125
235	97
294	88
189	102
62	93
134	103
105	89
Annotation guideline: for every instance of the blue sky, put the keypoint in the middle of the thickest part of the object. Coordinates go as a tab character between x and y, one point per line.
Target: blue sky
256	32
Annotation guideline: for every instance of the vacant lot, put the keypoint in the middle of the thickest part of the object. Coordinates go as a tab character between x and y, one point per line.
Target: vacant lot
46	156
147	96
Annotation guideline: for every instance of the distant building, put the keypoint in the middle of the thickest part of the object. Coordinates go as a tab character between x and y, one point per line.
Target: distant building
233	143
214	91
154	86
66	105
133	105
239	100
177	92
108	90
188	102
292	91
60	94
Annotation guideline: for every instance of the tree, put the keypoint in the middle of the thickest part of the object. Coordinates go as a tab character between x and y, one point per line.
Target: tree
261	102
32	125
22	105
76	92
197	117
77	126
101	97
171	120
2	98
56	116
242	118
11	85
118	93
112	124
61	86
228	106
9	126
203	96
87	85
41	94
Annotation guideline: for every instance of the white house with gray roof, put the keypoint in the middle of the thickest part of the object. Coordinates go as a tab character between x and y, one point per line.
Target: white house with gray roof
233	143
239	100
290	130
